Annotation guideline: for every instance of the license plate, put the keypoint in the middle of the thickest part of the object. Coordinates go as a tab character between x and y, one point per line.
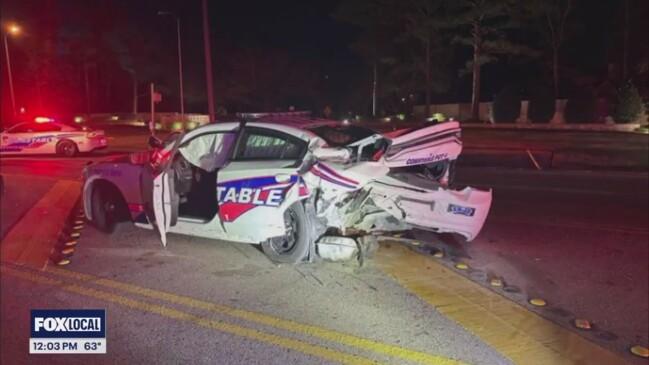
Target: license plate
458	209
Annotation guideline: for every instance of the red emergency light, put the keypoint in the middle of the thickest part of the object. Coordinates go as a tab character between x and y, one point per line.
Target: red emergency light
43	120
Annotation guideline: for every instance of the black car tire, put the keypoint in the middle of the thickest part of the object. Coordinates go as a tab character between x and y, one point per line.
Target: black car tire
293	247
67	148
103	216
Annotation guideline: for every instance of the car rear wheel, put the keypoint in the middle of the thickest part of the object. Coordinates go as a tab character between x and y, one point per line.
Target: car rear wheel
294	245
67	148
105	209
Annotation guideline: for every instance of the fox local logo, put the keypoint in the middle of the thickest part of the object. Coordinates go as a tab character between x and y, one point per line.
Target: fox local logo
63	324
70	323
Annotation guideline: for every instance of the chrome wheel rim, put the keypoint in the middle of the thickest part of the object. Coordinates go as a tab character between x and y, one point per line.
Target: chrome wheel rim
285	244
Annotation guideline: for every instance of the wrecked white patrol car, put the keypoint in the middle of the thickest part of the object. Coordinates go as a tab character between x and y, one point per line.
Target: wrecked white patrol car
298	189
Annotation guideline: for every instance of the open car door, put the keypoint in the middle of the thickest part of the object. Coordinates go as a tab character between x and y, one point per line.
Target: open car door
203	150
165	203
161	202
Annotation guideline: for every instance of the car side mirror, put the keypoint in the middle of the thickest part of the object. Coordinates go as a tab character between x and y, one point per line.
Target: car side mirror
155	142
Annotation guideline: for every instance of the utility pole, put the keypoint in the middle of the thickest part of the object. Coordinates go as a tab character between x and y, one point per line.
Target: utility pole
180	72
375	73
180	62
134	76
87	86
208	64
152	121
625	51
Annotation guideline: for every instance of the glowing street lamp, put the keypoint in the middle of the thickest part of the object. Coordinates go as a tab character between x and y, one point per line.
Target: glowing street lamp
12	29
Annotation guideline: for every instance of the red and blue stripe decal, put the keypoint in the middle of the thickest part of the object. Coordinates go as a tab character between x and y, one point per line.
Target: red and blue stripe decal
237	197
328	174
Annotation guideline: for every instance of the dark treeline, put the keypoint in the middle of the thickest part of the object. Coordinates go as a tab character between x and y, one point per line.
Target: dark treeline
100	56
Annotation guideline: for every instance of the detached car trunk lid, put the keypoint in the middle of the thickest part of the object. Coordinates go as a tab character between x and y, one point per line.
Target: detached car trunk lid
425	145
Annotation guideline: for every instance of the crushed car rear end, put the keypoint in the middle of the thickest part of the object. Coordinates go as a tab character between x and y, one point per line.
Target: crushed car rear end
406	180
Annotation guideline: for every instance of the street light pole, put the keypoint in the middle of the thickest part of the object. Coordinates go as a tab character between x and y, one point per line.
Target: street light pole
180	63
208	63
180	72
11	83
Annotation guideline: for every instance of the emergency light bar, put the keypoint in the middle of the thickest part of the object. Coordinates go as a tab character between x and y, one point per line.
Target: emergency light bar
43	120
275	114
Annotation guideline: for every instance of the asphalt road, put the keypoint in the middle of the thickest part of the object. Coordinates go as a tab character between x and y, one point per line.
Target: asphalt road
577	240
328	297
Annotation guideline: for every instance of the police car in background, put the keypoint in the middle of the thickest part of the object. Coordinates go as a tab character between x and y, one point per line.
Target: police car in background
47	136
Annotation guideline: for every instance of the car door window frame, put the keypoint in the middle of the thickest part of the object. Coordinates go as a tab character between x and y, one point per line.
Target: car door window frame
230	153
47	128
247	131
18	128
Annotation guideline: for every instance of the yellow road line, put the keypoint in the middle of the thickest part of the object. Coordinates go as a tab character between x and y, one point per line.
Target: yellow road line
310	330
521	335
297	345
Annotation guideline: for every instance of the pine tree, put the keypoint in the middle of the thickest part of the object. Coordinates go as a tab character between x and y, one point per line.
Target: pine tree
484	25
629	104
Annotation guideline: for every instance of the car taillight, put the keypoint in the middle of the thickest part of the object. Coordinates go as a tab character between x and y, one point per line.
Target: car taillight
159	157
140	158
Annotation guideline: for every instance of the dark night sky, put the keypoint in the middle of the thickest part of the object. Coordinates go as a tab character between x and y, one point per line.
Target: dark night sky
304	29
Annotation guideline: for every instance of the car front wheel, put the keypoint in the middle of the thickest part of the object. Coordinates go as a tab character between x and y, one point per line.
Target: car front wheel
104	209
293	247
67	148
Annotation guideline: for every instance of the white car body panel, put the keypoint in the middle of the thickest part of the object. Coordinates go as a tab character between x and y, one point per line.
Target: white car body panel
426	208
162	205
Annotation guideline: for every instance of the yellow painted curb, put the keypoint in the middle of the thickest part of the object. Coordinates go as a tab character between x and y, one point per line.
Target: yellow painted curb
75	234
439	254
63	262
461	266
78	227
416	243
640	351
510	328
24	244
67	251
70	243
